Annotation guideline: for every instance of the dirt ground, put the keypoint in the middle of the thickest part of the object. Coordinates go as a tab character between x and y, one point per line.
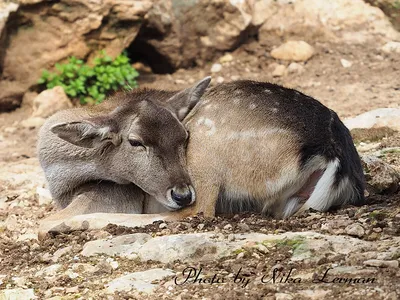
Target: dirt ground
371	82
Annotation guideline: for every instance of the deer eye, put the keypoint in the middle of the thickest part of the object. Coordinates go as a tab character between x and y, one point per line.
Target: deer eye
136	143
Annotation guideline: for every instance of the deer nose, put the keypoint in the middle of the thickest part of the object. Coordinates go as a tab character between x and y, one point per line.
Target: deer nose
182	195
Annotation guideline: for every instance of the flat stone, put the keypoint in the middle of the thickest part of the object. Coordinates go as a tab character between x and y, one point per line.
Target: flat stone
16	294
140	281
381	117
382	263
123	245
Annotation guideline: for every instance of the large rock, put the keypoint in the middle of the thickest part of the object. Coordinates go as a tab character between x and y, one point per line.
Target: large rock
351	21
380	175
201	247
50	101
381	117
188	32
57	30
140	281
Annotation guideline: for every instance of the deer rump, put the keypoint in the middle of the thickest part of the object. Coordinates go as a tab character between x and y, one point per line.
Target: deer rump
261	147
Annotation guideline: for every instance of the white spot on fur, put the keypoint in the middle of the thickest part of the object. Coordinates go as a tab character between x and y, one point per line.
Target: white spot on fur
274	110
182	112
249	134
268	91
252	106
207	123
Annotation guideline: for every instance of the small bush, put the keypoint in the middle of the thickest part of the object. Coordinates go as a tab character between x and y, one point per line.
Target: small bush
91	84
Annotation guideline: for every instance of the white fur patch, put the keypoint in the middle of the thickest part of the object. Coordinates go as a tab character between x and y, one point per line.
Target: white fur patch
249	134
325	194
211	129
252	106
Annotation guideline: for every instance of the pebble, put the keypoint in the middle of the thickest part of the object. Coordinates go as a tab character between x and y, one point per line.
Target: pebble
216	68
162	226
293	50
226	58
346	63
279	71
355	230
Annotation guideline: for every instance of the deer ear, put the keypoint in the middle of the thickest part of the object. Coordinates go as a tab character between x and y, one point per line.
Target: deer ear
184	101
85	134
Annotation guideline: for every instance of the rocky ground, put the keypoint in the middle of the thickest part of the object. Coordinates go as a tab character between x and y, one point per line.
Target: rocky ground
351	253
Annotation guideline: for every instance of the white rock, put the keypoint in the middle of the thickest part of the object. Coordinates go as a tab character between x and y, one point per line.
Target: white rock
346	63
216	68
51	270
293	50
226	58
283	296
33	122
391	47
295	68
382	263
381	117
17	294
220	79
355	229
27	237
279	71
61	252
123	245
44	196
140	281
50	101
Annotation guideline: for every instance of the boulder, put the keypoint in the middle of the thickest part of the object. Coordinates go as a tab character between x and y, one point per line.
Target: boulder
350	21
380	175
49	102
381	117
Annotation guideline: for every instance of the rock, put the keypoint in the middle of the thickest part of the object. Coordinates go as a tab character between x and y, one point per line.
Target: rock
205	247
295	68
28	98
50	101
33	122
220	79
43	195
226	58
381	117
279	71
355	230
27	237
123	245
283	296
140	281
293	50
314	294
382	263
349	21
54	33
61	252
346	63
380	175
11	94
16	294
206	35
162	226
391	47
49	271
216	68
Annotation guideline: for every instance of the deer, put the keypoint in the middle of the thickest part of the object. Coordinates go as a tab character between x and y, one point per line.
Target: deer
149	155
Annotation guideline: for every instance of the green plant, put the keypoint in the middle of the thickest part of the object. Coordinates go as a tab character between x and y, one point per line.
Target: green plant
91	84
